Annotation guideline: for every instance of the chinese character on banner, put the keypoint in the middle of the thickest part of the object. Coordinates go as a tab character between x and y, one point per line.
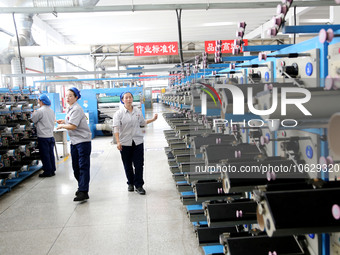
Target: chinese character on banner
147	49
139	49
210	47
156	48
164	49
227	46
172	48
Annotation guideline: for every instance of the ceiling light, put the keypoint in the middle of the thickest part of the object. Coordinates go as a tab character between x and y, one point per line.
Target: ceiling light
322	21
217	24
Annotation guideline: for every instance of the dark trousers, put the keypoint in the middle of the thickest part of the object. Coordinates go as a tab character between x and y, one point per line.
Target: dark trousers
46	150
80	154
133	155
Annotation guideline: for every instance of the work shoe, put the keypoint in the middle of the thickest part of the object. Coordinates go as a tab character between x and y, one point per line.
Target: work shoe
131	188
81	196
77	192
45	175
140	191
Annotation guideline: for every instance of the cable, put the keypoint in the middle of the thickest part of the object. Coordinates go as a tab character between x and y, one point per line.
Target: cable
179	13
18	43
294	23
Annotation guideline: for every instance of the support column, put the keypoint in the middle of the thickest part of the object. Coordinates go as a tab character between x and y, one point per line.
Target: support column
333	10
294	20
204	104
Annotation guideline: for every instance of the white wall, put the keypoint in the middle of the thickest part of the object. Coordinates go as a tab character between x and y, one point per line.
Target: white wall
45	35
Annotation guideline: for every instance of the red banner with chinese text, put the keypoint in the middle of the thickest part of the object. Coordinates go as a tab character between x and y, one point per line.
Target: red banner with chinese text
227	46
155	48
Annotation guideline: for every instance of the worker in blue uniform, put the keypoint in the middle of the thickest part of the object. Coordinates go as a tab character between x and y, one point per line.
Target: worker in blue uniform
80	136
44	120
127	123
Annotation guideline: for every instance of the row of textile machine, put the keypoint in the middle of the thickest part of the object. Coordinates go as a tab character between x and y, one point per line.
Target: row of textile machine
254	148
19	153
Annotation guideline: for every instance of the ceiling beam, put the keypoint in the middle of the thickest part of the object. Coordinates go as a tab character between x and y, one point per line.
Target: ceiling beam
129	71
163	7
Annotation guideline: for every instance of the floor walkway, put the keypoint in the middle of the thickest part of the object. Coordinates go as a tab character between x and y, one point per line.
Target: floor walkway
40	217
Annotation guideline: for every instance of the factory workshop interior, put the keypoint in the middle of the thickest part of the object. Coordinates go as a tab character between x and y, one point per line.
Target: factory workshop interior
243	158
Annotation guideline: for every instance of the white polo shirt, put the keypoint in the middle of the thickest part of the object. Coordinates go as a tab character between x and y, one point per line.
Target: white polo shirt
44	119
129	124
76	116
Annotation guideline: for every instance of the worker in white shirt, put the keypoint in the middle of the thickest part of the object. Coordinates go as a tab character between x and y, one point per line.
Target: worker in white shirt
127	123
44	120
80	136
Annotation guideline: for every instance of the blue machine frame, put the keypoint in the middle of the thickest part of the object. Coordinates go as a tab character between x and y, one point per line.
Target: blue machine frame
311	44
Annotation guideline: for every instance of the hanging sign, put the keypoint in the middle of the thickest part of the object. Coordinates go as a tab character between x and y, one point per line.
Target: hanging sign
226	47
155	48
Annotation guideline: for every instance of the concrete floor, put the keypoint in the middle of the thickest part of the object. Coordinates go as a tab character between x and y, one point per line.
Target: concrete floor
39	215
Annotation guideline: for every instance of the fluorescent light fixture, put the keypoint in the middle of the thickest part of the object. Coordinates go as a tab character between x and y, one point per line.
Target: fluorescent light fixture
217	24
322	21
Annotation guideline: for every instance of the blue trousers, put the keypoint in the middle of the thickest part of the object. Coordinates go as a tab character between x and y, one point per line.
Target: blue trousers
80	154
46	150
133	155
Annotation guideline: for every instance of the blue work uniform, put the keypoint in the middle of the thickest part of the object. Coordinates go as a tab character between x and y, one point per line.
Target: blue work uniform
131	138
44	120
80	145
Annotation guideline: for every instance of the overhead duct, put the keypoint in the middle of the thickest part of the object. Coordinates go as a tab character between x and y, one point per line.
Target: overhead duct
88	2
24	25
37	51
4	69
130	60
126	56
129	48
155	60
24	29
16	69
55	3
49	68
64	3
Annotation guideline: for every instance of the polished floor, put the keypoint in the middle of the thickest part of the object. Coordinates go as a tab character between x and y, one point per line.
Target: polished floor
40	217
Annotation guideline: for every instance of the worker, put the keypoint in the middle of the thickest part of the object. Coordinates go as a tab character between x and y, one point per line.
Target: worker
127	123
80	136
44	120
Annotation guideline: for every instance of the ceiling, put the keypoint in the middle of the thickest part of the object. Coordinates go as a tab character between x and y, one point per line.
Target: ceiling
124	27
129	27
201	20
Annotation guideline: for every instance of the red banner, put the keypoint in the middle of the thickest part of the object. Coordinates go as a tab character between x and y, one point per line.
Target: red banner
227	46
156	48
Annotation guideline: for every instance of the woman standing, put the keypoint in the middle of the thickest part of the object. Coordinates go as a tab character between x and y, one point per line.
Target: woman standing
44	119
127	123
80	136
